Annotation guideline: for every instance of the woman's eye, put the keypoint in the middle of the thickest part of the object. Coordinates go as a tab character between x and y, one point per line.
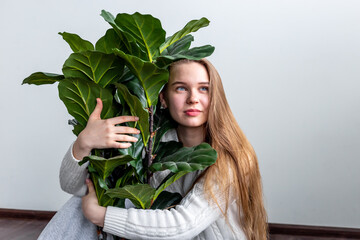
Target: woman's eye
204	89
180	89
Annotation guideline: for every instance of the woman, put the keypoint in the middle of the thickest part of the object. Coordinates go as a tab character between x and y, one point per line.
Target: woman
222	202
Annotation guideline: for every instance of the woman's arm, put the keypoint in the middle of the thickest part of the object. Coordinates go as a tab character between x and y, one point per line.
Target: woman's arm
193	215
98	134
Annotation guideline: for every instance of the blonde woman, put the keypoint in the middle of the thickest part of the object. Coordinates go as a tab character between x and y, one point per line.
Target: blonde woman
222	202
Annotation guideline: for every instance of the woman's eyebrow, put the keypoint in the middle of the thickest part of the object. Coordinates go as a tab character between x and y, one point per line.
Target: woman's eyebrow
178	82
184	83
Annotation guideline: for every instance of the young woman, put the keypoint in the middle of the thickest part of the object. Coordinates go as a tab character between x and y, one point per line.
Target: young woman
222	202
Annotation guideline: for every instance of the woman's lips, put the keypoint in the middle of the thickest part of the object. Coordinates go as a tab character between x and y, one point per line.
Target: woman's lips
192	112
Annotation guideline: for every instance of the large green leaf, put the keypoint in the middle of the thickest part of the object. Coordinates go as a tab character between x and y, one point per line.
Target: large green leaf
168	182
181	45
162	123
166	200
167	149
126	38
135	150
104	200
103	166
136	109
40	78
140	194
79	97
151	77
77	44
186	159
109	41
191	26
195	53
145	29
134	86
99	67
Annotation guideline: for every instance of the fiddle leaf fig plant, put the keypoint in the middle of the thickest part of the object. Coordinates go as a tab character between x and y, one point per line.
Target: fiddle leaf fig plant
127	68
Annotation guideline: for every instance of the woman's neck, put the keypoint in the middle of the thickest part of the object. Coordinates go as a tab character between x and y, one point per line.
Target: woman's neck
191	137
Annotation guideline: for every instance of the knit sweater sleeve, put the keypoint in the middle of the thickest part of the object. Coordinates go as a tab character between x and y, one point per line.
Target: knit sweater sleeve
72	176
193	215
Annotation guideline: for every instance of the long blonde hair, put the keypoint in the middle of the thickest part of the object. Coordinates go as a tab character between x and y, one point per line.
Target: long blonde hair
235	152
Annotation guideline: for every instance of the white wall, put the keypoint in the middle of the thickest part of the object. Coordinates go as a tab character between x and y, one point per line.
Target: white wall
291	70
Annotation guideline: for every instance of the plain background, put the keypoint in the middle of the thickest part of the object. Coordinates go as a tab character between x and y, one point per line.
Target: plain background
291	71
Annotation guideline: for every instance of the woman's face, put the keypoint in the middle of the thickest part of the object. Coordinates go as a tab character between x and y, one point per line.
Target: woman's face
187	94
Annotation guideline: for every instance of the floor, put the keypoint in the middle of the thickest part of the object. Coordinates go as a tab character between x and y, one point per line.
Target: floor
289	237
29	229
21	229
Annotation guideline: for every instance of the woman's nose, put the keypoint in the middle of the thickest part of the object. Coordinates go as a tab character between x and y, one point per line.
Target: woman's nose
193	98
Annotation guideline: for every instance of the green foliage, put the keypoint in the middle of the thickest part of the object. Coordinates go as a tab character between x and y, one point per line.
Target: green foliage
187	159
136	109
191	26
127	68
151	77
40	78
79	97
77	44
101	68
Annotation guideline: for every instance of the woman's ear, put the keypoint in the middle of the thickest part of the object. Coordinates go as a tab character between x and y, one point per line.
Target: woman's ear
162	100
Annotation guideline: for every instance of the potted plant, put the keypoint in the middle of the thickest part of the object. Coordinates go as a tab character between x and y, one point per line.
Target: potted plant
127	68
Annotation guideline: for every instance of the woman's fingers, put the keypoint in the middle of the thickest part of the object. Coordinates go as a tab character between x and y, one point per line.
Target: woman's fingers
122	119
126	130
125	138
90	186
96	114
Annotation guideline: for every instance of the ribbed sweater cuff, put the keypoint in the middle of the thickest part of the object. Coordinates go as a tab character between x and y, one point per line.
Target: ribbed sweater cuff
72	162
115	221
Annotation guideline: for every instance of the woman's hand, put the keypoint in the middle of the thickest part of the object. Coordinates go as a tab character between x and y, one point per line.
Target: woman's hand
100	133
90	206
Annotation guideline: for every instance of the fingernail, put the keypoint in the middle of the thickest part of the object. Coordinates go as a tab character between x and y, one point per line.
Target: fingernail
87	181
136	118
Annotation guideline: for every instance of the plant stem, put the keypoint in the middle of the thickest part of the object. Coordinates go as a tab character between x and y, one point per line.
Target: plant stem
150	143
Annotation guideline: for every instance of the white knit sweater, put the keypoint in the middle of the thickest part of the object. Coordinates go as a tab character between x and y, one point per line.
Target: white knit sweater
193	218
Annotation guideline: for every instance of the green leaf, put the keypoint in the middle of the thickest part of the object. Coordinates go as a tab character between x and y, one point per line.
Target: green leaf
166	200
168	182
167	149
191	26
101	68
195	53
40	78
140	194
103	166
163	123
187	159
102	184
79	97
144	29
181	45
136	110
124	178
127	39
151	77
103	199
109	41
136	148
134	85
77	44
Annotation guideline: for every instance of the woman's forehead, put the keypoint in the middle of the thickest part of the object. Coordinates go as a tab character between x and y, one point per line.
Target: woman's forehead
188	72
